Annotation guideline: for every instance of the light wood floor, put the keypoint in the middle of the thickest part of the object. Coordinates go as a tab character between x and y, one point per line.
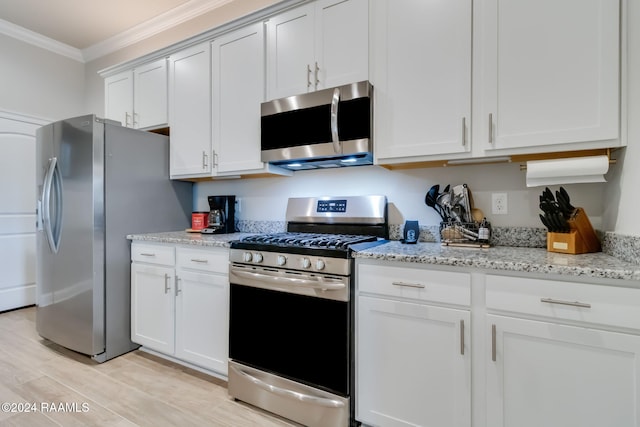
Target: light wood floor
133	389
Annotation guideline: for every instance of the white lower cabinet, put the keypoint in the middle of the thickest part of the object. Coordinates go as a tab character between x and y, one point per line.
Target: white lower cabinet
180	303
152	306
548	374
413	364
568	366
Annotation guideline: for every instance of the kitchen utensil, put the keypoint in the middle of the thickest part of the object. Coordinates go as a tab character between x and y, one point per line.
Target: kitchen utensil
430	200
564	203
477	215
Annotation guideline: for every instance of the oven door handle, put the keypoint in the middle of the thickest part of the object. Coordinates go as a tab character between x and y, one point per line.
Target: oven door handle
315	400
319	283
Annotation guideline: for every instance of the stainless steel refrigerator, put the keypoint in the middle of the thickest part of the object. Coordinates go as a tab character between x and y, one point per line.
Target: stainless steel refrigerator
97	182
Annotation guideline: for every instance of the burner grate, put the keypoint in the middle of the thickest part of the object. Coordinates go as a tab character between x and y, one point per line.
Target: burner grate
309	240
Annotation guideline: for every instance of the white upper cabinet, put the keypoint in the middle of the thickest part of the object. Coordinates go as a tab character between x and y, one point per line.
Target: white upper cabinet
238	89
317	46
421	73
549	74
190	112
138	98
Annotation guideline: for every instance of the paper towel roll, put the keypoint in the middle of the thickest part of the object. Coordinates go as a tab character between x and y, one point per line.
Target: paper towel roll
573	170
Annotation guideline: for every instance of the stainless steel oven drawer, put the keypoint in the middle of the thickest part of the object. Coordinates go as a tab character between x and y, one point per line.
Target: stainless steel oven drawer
292	400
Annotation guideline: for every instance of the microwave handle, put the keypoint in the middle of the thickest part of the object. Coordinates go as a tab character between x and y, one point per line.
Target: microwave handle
337	145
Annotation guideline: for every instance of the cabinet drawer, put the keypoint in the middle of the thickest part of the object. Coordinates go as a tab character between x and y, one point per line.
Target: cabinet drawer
153	254
212	259
598	304
415	283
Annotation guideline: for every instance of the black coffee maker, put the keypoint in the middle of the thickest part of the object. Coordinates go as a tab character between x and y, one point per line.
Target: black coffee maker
222	215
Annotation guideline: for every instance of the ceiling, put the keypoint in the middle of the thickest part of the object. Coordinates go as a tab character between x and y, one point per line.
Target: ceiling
83	25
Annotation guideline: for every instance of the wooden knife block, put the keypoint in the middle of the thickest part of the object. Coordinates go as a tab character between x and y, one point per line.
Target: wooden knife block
581	238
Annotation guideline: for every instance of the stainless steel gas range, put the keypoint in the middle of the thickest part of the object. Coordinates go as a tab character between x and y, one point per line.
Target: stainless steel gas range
291	314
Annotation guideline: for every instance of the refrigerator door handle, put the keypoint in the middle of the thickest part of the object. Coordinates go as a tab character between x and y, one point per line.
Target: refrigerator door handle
52	184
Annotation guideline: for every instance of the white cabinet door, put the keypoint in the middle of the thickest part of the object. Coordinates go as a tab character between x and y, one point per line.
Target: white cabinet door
202	319
316	46
413	364
546	374
421	72
17	212
291	53
549	72
341	42
238	89
152	307
189	112
118	98
150	94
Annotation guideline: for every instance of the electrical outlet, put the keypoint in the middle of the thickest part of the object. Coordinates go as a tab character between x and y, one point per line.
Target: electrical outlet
499	204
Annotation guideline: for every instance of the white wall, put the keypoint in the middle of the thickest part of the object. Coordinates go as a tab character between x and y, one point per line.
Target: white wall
266	198
37	82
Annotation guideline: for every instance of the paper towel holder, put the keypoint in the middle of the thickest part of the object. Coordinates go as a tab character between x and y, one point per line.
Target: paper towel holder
523	167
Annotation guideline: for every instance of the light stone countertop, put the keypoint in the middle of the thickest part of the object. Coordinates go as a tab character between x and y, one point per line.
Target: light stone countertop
194	239
499	258
504	258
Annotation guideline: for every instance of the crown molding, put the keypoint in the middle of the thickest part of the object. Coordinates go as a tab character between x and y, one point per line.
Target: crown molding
160	23
17	32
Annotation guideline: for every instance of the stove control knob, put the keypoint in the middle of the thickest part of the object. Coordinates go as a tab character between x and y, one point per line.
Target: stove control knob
306	263
257	257
282	260
320	265
247	257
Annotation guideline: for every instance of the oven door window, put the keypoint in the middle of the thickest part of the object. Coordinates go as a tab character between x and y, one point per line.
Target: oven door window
298	337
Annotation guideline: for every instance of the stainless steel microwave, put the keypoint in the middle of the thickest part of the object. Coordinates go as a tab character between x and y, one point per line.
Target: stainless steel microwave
322	129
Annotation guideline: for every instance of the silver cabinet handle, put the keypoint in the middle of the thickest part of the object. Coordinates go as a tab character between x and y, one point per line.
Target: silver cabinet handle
308	76
493	342
178	290
204	159
167	288
408	285
335	101
316	75
200	261
464	131
462	337
561	302
147	254
319	401
490	128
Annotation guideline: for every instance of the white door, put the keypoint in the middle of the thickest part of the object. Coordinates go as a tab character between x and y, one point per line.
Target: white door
550	72
202	319
153	307
118	98
17	213
238	89
421	73
342	42
552	375
413	364
190	112
150	95
290	52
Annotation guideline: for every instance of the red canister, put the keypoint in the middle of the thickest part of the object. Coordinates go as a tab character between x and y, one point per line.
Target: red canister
199	220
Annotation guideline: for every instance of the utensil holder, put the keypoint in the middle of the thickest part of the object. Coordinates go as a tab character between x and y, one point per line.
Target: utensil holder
466	234
581	238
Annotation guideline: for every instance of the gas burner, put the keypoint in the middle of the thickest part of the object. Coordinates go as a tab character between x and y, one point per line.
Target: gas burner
309	240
